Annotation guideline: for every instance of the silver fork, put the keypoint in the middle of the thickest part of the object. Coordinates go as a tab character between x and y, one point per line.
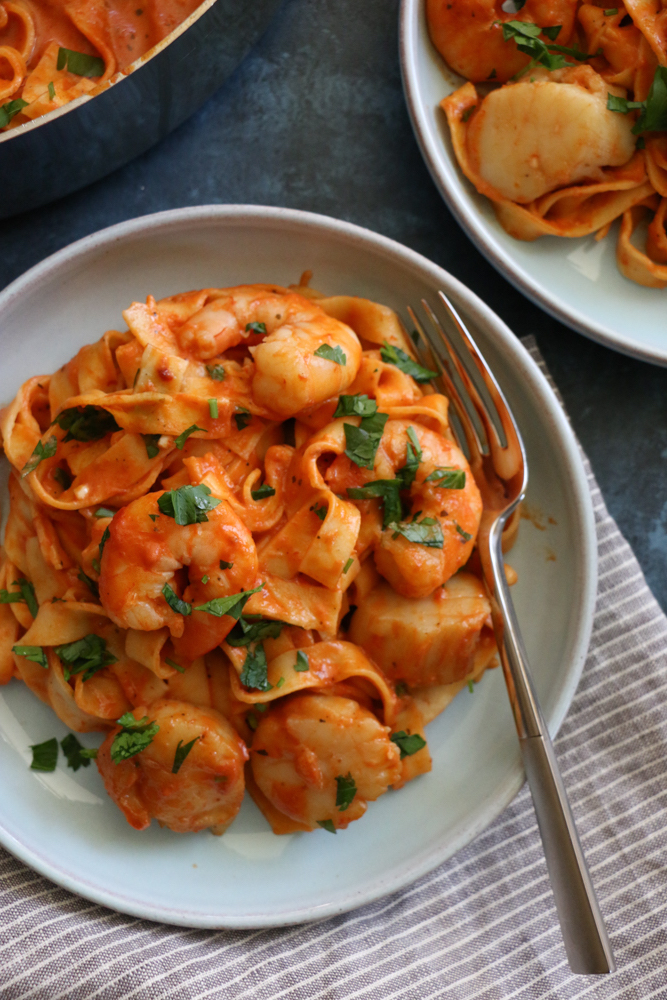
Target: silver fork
498	461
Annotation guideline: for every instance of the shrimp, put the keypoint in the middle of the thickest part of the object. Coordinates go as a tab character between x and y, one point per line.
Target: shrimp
308	741
468	34
206	790
536	135
414	569
146	549
282	330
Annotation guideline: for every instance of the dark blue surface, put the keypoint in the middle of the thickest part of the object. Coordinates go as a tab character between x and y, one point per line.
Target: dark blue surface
314	118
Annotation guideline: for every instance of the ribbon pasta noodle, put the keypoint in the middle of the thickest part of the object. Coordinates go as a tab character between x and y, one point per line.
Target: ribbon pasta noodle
237	545
54	51
563	121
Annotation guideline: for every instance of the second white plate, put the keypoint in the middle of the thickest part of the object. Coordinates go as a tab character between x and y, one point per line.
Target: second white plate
576	280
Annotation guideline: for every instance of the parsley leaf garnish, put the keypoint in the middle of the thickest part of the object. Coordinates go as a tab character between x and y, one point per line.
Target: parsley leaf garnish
85	656
80	63
255	328
175	602
526	36
447	479
407	743
425	532
181	754
262	492
232	605
52	90
464	534
41	452
216	372
301	664
355	406
187	504
10	110
44	755
24	595
105	512
413	457
387	490
348	564
335	354
182	438
242	418
133	737
62	477
345	791
254	628
33	653
321	511
76	754
174	664
254	673
395	356
213	408
362	441
86	423
225	565
90	583
151	442
327	824
653	117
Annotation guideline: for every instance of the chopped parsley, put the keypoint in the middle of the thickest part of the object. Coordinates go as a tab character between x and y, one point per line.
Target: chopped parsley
362	441
134	736
611	11
175	602
52	90
105	512
242	418
653	117
425	532
327	824
44	755
86	423
85	656
447	479
187	504
225	565
90	583
408	743
213	408
348	564
33	653
279	684
106	535
401	688
471	687
255	670
468	112
254	628
232	605
181	754
151	442
395	356
10	110
255	328
41	452
76	754
387	490
321	511
262	492
62	477
216	372
345	791
413	458
527	38
79	63
464	534
301	664
24	595
174	664
335	354
355	406
182	438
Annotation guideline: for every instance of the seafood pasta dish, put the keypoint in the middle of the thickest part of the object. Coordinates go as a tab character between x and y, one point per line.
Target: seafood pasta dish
53	51
240	544
562	122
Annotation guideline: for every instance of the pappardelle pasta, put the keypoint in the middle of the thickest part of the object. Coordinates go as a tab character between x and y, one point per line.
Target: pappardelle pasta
563	121
239	543
53	51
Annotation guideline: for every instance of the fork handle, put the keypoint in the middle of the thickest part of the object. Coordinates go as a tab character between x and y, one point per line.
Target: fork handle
584	934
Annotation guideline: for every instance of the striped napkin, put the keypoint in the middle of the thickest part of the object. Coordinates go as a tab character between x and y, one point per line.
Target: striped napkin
481	927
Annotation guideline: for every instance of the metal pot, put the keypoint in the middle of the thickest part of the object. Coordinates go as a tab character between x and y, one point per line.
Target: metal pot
88	138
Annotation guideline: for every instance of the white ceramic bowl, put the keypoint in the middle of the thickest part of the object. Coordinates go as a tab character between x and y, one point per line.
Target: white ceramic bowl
577	281
63	825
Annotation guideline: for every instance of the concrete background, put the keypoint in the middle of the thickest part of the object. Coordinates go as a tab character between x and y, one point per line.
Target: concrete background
314	118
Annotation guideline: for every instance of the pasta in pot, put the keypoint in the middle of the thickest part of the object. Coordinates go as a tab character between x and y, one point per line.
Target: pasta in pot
236	546
563	122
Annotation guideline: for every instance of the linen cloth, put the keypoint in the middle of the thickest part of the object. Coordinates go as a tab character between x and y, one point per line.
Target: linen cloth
480	927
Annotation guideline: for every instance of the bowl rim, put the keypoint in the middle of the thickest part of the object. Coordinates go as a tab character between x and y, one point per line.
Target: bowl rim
583	518
470	220
118	77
